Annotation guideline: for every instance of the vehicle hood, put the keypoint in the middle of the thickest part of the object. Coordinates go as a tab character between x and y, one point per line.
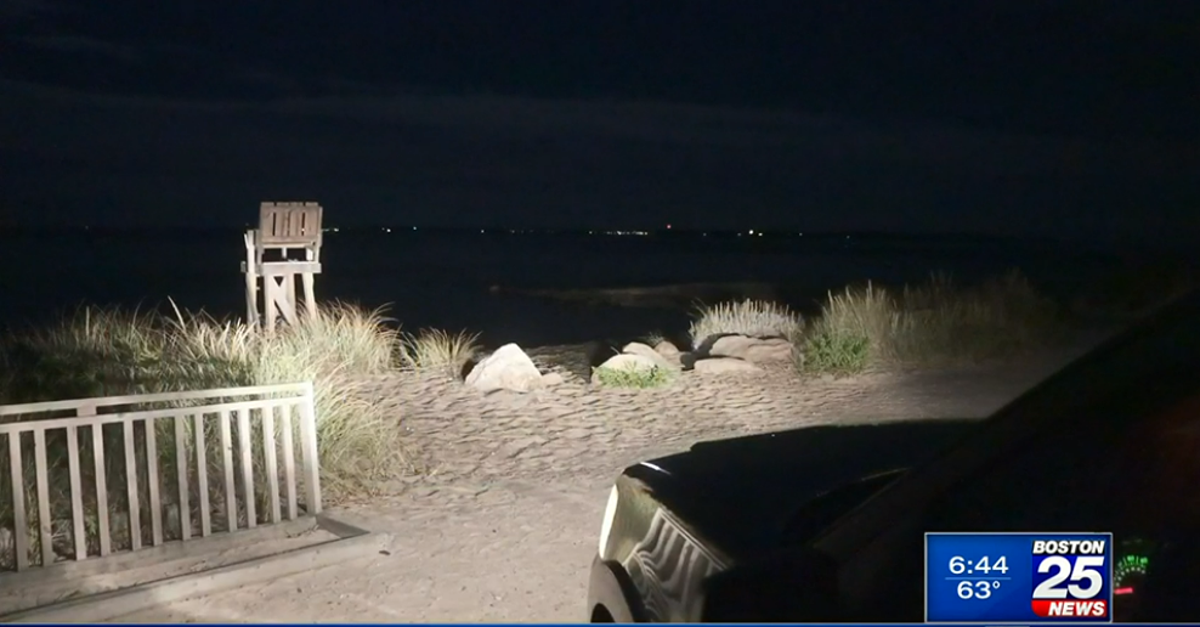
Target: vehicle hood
737	496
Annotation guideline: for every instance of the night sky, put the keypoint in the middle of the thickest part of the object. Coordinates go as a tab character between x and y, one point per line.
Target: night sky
1071	119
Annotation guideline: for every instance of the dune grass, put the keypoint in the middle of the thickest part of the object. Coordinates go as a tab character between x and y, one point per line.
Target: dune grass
933	323
755	318
98	352
434	350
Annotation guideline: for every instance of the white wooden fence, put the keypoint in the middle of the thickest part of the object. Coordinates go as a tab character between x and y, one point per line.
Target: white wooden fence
233	413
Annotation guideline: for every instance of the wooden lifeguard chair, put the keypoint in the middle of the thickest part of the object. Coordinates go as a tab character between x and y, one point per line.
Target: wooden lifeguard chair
283	227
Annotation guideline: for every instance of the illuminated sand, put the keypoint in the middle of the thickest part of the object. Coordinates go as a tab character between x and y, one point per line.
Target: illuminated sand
504	525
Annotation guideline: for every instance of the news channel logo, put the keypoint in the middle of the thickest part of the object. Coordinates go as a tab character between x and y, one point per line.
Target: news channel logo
1018	577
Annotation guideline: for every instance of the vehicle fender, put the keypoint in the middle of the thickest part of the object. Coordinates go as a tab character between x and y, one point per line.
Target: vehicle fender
611	586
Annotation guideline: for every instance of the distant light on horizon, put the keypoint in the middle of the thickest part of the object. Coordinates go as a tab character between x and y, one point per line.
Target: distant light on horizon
616	232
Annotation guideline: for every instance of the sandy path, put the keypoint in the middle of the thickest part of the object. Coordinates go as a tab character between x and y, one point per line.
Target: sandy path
504	528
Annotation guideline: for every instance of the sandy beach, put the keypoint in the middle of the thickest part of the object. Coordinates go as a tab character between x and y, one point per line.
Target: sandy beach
502	523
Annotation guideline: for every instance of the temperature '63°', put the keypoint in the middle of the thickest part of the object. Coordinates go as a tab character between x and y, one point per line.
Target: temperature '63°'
974	576
1018	577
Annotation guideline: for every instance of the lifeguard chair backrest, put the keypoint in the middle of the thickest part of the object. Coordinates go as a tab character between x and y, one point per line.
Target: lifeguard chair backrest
289	225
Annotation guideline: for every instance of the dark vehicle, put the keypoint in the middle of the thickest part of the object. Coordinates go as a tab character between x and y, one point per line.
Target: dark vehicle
827	524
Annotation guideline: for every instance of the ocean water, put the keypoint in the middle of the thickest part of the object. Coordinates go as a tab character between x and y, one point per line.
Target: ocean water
447	279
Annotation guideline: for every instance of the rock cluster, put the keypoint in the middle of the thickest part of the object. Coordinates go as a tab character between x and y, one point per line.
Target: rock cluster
510	368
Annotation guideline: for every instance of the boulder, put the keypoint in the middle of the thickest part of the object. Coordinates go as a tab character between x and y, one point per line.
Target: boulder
637	348
668	350
509	368
725	365
752	349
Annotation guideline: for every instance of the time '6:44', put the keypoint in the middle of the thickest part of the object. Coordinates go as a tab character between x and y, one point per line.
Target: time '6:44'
960	565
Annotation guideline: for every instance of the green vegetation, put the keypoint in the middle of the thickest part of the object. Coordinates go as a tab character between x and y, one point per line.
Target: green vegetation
633	377
754	318
934	323
833	351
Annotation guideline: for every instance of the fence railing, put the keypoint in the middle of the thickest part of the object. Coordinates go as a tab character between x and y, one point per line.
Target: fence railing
88	477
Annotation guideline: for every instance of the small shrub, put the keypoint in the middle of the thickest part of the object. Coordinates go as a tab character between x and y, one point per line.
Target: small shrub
755	318
834	352
633	377
435	350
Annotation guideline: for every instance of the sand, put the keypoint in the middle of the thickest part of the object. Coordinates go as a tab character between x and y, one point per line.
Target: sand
503	526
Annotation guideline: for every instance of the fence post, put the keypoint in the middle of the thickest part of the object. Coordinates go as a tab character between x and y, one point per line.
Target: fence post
308	443
20	522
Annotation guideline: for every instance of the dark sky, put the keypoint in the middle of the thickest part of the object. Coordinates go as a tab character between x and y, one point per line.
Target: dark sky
1073	119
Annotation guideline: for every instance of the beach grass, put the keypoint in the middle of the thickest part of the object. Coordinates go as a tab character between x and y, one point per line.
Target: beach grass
932	323
106	352
435	350
754	318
